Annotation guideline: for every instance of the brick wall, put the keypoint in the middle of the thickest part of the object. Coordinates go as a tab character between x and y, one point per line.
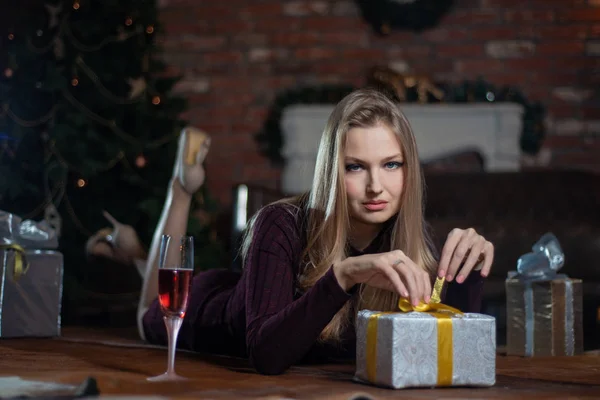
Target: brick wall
237	55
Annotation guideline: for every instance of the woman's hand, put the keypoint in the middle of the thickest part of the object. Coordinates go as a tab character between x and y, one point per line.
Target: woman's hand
392	271
468	247
192	150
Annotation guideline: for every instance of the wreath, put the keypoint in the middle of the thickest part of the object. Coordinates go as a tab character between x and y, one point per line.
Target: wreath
270	138
414	15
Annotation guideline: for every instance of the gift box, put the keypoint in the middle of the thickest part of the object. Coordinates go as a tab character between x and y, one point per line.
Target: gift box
544	309
544	318
430	349
31	276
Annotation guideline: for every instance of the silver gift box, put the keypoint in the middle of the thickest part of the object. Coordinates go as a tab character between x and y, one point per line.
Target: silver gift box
30	303
406	353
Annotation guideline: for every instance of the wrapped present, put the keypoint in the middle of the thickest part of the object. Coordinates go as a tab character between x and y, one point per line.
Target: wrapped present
543	307
435	345
30	279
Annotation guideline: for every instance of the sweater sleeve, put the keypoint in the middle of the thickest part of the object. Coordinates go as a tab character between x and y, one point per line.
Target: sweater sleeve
280	330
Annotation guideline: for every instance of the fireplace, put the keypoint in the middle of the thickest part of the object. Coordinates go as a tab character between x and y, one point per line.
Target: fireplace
440	129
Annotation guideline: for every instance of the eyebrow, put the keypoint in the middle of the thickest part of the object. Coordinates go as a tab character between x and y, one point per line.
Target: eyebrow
358	160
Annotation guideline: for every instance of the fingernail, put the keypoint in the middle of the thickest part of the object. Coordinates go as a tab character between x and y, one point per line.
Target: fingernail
449	277
427	298
460	279
484	274
415	302
442	273
404	294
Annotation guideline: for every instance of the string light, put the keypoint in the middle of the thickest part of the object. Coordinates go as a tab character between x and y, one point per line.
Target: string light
66	29
28	123
128	137
140	161
94	77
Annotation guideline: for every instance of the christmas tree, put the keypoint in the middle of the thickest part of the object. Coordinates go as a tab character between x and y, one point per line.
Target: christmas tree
89	121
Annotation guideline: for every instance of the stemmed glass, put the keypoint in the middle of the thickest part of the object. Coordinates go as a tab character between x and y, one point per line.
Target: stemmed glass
175	270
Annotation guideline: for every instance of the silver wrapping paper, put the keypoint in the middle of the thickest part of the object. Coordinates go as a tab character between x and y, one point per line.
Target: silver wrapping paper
407	350
30	306
544	308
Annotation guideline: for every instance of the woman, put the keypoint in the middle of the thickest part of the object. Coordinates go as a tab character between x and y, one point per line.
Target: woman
356	240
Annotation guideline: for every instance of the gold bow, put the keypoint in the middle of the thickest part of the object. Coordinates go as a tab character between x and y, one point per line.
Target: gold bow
21	264
443	313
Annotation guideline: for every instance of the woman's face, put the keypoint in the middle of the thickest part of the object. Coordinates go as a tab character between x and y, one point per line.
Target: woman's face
374	174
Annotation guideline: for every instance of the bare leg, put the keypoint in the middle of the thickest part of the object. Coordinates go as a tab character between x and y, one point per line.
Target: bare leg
188	177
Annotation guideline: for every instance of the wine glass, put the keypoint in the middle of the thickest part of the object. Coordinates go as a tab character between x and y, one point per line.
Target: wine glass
175	270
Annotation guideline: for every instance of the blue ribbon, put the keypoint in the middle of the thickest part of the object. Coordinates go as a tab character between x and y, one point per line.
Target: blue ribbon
542	265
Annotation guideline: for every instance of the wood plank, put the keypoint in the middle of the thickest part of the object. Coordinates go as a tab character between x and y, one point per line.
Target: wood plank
121	364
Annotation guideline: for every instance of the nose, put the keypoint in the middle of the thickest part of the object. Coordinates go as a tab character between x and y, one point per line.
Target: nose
374	184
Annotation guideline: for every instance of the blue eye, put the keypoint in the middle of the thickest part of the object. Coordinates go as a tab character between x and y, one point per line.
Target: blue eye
394	164
353	167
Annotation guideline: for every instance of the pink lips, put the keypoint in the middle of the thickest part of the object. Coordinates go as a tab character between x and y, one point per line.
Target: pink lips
375	205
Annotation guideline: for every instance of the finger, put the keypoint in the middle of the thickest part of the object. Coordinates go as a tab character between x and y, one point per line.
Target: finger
471	260
460	252
391	273
451	242
428	288
420	281
409	281
488	254
111	219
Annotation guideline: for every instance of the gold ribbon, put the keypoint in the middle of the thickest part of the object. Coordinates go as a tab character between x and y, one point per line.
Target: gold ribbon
21	264
443	313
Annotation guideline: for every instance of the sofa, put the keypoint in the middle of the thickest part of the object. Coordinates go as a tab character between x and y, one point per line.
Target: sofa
512	210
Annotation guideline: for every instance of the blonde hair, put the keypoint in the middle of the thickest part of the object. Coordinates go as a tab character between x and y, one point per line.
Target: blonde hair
326	207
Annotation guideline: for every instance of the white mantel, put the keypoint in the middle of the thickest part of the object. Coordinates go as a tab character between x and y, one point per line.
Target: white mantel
440	129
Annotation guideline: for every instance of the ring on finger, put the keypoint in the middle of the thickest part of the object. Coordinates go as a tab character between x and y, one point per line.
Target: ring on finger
110	239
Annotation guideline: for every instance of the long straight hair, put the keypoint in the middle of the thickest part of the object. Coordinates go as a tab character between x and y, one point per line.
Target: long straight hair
326	207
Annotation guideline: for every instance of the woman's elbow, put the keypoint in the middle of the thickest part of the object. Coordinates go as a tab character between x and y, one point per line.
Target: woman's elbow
268	366
267	361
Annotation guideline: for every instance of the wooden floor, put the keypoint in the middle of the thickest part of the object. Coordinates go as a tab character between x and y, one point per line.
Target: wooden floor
120	364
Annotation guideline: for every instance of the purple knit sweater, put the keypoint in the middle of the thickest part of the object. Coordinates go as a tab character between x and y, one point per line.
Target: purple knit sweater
260	314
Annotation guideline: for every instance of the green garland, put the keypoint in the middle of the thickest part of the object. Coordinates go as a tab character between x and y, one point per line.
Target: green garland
270	138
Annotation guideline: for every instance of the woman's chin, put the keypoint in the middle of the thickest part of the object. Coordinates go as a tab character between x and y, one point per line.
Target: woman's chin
374	218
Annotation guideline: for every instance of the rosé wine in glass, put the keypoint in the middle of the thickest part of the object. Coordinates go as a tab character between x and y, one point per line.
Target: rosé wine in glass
173	290
175	271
